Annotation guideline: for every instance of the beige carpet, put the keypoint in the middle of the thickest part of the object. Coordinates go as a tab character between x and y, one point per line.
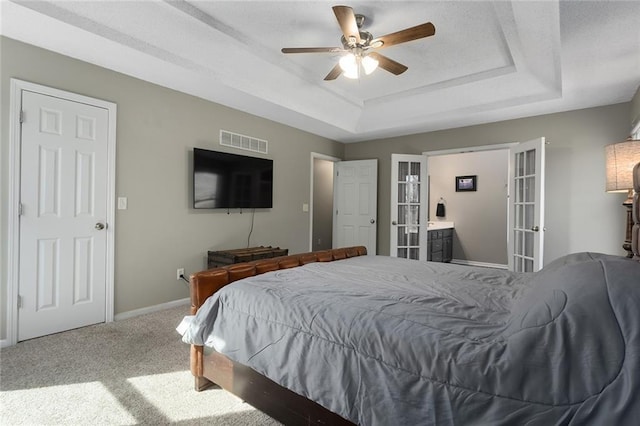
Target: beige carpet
129	372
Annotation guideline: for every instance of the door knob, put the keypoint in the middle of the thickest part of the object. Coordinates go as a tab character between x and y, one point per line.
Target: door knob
394	223
372	221
99	226
535	228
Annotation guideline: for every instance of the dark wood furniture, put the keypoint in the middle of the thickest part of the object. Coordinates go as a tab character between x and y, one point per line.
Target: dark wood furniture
210	367
440	245
227	257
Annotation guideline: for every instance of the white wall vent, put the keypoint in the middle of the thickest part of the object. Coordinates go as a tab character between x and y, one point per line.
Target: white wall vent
239	141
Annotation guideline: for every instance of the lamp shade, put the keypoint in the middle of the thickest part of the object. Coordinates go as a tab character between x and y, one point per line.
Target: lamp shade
620	159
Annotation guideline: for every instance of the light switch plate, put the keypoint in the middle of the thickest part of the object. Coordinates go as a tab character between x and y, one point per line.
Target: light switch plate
122	203
305	207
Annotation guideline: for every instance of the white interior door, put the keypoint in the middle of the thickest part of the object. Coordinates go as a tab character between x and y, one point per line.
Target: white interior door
526	206
409	195
63	228
355	200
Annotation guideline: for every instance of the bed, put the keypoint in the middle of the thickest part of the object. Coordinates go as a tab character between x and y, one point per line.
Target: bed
339	337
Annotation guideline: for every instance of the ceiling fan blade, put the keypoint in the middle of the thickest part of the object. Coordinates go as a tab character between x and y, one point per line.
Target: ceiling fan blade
388	64
334	73
347	20
312	50
419	31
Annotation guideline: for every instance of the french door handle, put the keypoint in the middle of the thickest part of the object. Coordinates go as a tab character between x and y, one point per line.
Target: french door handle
394	223
99	226
535	228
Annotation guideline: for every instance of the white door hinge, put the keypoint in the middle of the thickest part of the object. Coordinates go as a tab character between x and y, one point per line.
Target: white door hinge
20	209
19	302
21	118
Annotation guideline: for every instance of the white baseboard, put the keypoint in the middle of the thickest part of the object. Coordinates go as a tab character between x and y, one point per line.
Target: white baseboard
149	309
130	314
481	264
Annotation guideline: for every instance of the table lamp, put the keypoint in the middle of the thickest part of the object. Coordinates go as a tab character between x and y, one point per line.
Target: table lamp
620	159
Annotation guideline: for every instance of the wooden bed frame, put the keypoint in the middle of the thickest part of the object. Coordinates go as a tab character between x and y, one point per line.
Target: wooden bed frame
210	367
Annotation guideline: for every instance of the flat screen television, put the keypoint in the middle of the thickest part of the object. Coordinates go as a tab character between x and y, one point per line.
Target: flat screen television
228	181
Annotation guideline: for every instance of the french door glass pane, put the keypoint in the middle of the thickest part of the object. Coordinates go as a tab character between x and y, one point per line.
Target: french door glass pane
518	242
402	252
517	264
531	162
528	244
402	236
519	216
530	189
403	214
414	253
415	170
403	171
402	192
414	236
519	165
413	195
528	265
519	190
528	216
414	215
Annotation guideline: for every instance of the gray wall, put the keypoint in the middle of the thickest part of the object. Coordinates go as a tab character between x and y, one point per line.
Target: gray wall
480	217
635	108
580	216
158	127
157	130
322	204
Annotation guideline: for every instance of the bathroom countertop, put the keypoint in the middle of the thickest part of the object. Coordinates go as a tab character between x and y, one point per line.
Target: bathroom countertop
431	226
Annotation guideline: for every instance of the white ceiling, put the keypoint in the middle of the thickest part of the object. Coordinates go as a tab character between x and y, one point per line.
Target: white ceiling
488	61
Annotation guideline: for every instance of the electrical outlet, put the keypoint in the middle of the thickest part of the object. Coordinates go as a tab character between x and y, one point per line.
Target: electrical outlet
179	273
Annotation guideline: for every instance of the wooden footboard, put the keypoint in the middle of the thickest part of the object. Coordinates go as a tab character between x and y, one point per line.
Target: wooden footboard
209	366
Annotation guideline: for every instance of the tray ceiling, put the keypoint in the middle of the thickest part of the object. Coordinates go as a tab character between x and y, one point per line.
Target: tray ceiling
488	61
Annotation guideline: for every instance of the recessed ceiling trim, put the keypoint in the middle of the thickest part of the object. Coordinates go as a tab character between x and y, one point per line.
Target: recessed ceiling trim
64	15
466	79
256	49
487	59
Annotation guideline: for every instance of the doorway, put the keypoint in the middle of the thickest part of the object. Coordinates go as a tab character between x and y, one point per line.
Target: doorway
343	203
62	185
523	212
480	217
321	205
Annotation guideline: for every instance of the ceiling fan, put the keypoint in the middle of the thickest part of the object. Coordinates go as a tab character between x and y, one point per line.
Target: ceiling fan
360	47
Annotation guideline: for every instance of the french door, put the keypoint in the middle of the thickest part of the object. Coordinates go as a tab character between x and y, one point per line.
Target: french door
409	195
526	206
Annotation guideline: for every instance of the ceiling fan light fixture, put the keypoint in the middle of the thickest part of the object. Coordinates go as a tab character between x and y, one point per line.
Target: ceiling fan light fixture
349	65
352	74
369	64
358	45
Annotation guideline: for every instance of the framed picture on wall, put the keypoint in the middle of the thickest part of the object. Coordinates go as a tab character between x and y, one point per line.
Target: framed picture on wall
466	183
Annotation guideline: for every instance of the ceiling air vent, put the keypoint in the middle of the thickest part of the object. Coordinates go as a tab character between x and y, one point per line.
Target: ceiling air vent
239	141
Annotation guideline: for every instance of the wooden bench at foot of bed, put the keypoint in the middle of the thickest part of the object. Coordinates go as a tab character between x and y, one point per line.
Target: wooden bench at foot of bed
210	367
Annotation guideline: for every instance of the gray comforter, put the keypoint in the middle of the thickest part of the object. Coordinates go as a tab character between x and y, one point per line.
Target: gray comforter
387	341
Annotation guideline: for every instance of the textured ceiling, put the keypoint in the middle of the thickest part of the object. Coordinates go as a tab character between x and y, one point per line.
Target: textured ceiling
488	61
